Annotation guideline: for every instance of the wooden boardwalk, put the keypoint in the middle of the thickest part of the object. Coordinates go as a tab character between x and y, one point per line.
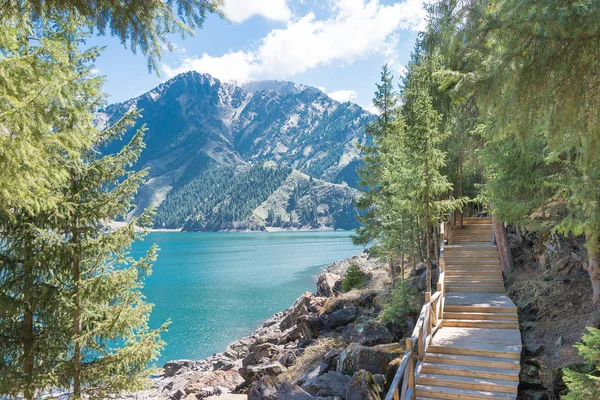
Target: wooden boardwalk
474	352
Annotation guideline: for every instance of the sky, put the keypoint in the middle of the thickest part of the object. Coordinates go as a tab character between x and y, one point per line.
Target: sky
338	46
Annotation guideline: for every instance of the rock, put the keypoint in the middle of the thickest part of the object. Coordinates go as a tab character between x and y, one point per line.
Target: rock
391	372
307	327
288	358
218	379
260	353
311	375
268	389
172	367
328	284
332	358
380	378
368	332
363	386
273	368
534	350
368	300
329	384
418	269
178	394
529	378
302	306
374	359
341	317
559	341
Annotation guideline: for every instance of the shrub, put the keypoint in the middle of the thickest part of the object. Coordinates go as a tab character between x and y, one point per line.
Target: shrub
404	302
584	385
354	278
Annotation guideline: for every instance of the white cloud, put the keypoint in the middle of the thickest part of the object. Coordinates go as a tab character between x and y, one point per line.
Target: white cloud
343	95
356	29
241	10
371	108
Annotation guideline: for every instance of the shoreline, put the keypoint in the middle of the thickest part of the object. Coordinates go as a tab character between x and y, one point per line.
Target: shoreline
228	370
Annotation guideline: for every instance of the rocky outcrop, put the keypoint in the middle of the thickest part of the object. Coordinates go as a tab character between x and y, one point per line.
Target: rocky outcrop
328	284
260	364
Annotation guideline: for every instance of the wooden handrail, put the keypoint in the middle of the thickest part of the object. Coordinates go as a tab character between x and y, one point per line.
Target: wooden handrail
429	321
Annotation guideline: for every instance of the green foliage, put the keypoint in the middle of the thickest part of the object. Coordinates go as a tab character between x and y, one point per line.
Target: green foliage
354	279
583	385
404	303
219	197
144	25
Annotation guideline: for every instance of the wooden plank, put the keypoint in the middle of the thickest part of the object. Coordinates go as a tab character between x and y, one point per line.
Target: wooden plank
474	361
470	371
453	394
468	383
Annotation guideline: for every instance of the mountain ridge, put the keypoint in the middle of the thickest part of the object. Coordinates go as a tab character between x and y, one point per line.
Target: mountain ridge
198	123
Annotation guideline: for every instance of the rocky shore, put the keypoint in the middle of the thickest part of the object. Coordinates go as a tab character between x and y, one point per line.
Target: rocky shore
327	345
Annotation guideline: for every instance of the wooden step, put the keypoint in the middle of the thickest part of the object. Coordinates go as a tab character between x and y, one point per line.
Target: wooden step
480	323
468	308
475	281
436	392
470	371
474	276
454	270
468	383
509	316
474	352
467	289
474	361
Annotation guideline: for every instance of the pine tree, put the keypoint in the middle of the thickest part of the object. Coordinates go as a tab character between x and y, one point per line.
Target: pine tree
111	344
583	385
49	95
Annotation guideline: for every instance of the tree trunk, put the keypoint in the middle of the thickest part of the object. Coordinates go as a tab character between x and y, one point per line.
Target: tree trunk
76	332
28	337
392	270
506	259
593	269
403	271
428	243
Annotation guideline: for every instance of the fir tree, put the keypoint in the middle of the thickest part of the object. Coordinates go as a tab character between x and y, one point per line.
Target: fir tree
585	385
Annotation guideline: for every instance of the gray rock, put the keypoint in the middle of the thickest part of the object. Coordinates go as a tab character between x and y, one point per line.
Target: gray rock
341	317
260	353
302	306
368	332
288	358
328	284
267	389
172	367
363	386
375	359
332	358
534	350
559	341
330	384
273	368
307	327
418	269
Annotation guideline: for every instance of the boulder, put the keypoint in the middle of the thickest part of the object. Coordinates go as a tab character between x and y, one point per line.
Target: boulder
269	389
332	358
363	386
368	332
418	269
533	350
328	284
172	367
374	359
302	306
341	317
329	384
272	368
228	380
307	327
260	353
288	358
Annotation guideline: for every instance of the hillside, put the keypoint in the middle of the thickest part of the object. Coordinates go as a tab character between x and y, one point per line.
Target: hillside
202	133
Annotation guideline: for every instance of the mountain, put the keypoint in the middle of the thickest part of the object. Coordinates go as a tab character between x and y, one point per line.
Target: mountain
207	139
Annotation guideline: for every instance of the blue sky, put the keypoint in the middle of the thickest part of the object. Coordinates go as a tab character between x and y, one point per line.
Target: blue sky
336	45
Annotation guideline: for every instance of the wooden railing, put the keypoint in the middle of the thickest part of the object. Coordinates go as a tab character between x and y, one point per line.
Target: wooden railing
430	320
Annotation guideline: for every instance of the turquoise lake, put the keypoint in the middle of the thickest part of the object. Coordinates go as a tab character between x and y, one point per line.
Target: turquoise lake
218	287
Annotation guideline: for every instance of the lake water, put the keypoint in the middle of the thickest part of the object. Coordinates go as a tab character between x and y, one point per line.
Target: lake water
218	287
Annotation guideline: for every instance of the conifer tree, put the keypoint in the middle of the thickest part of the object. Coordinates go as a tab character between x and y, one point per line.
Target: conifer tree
112	343
379	220
585	385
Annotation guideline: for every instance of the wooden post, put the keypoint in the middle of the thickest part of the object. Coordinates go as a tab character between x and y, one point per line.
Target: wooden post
440	315
427	297
506	259
410	366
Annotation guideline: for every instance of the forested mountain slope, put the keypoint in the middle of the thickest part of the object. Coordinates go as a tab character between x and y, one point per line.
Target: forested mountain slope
203	133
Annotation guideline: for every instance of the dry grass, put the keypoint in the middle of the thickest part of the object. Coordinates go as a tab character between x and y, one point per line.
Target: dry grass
312	356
